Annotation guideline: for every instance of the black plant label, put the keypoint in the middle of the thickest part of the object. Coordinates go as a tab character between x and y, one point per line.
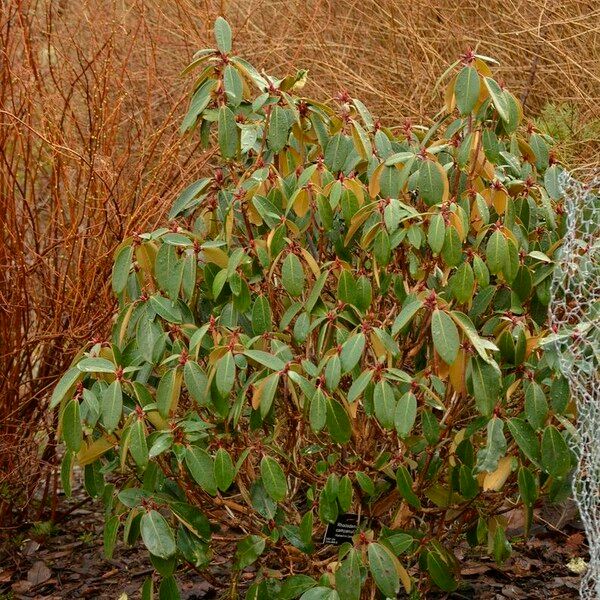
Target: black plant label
342	530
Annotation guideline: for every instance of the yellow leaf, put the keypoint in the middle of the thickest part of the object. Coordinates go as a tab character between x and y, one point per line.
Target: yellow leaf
449	97
311	262
216	256
496	480
357	188
300	202
457	372
374	185
91	452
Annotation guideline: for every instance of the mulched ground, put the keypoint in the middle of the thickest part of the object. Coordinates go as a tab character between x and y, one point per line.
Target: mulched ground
69	564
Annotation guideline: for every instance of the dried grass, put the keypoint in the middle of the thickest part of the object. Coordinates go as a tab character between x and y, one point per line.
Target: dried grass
90	101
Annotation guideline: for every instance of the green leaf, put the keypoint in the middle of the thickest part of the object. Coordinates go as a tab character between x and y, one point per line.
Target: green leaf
338	422
336	152
496	251
168	270
112	406
431	182
461	283
295	586
552	182
111	529
196	382
166	308
346	290
436	233
189	196
320	593
121	268
137	443
365	482
167	392
559	394
452	248
267	388
498	98
273	478
225	373
406	315
66	472
157	535
228	133
264	358
279	126
318	411
65	384
292	275
364	293
527	486
536	405
96	365
352	351
385	404
495	448
526	439
466	90
440	572
445	336
248	550
348	577
486	379
201	466
262	319
382	248
556	456
404	483
383	569
233	85
71	426
168	589
224	469
405	414
191	518
223	35
480	344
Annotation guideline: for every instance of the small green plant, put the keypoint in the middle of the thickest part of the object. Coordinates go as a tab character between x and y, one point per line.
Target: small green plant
341	318
564	123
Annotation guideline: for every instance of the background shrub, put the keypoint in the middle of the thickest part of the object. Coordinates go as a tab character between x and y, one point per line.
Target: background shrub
342	317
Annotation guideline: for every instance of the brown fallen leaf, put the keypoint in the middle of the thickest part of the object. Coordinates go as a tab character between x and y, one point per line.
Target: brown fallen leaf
38	573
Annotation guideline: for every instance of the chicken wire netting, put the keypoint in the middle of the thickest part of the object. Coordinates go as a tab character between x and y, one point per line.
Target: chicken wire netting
574	315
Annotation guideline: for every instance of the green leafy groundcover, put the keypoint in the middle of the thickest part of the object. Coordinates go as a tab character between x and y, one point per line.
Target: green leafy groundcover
343	318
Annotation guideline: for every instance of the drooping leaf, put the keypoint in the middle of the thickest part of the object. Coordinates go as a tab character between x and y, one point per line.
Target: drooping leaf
405	414
71	426
228	133
201	466
292	275
495	447
273	478
248	550
157	535
556	456
382	564
224	469
445	336
278	129
112	406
